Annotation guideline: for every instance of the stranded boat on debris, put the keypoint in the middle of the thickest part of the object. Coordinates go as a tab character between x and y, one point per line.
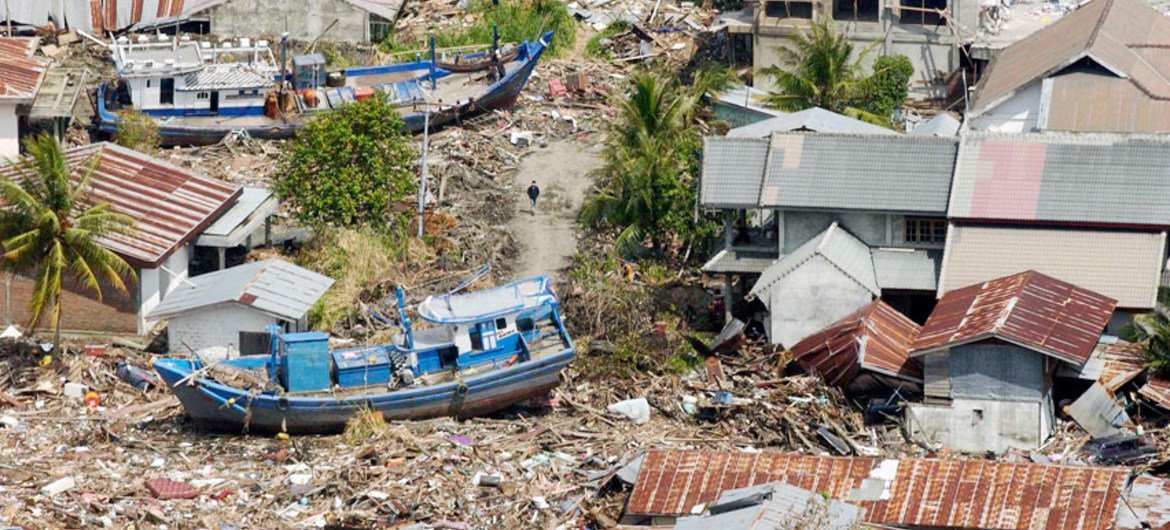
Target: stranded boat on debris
200	93
486	351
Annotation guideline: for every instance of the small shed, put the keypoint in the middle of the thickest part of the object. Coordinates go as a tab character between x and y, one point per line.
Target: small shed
865	352
823	280
989	353
235	306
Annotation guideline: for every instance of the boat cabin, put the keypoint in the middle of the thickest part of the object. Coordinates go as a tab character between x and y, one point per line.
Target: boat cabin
179	77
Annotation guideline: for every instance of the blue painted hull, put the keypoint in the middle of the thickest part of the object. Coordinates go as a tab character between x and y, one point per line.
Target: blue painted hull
219	407
500	95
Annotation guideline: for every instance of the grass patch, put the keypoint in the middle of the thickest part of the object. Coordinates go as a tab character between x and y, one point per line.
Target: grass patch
517	21
365	426
358	259
593	46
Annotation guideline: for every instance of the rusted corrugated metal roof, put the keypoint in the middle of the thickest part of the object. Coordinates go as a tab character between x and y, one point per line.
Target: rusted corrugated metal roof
944	494
1127	37
1123	362
1098	101
877	337
169	205
20	73
1039	312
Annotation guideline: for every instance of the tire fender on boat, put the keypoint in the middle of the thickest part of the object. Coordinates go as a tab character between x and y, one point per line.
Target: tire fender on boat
461	390
282	404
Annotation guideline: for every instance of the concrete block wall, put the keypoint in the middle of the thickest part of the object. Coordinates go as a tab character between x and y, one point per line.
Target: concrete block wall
215	326
303	19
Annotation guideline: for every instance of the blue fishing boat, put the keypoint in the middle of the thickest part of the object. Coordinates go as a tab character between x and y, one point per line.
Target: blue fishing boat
199	92
484	351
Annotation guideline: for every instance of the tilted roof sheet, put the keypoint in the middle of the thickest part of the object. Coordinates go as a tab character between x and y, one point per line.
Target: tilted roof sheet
733	169
273	286
1123	265
1097	101
1127	37
906	269
230	75
21	74
814	119
1094	179
920	493
1035	311
942	124
876	337
169	205
859	172
835	245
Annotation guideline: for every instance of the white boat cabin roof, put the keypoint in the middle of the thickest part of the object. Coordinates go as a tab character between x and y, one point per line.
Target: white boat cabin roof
166	56
510	299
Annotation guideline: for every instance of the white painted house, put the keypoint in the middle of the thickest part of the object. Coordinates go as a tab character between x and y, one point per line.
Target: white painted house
234	307
22	78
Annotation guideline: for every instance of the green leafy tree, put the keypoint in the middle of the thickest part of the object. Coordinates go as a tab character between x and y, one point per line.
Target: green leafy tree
819	69
1152	331
50	227
347	166
889	85
651	158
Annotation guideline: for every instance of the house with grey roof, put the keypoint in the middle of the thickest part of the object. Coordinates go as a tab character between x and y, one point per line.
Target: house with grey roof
813	119
234	307
870	207
1087	208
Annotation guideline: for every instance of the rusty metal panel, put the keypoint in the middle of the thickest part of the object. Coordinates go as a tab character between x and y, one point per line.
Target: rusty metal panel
943	494
1036	311
21	74
169	205
876	337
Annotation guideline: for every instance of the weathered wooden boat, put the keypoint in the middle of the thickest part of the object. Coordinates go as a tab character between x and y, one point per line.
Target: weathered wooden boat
486	351
478	61
199	93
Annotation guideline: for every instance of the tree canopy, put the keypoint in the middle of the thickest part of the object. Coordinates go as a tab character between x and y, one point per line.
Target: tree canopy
347	166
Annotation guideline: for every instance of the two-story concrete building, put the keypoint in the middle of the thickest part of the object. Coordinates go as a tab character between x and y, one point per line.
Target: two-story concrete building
858	216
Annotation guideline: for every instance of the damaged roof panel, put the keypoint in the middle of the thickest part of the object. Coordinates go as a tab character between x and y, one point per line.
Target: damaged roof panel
877	337
945	494
1036	311
21	74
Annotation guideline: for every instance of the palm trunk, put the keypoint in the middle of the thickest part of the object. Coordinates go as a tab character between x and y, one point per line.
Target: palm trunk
57	331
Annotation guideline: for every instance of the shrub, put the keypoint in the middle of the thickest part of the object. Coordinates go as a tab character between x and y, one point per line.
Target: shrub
593	45
137	131
346	167
517	21
889	85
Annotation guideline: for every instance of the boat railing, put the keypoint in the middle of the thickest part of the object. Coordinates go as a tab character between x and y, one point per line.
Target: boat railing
442	53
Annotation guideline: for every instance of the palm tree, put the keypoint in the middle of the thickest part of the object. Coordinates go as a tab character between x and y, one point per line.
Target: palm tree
819	70
49	228
649	156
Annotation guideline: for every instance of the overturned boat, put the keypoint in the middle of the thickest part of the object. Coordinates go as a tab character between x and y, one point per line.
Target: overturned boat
199	93
486	351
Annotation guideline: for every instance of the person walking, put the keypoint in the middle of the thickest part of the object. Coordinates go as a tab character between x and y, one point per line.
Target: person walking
533	193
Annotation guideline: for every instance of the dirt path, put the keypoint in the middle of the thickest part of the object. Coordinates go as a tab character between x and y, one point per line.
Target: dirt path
549	238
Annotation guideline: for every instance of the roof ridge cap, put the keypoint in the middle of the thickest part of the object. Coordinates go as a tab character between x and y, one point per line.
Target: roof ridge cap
1100	22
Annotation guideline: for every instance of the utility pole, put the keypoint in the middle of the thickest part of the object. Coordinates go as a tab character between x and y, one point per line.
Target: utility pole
422	188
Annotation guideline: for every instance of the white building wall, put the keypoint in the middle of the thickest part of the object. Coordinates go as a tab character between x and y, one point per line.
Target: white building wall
1018	114
215	326
9	131
810	298
176	271
979	426
148	296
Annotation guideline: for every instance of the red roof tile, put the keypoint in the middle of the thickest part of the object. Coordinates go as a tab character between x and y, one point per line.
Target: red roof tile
169	205
944	494
1030	309
20	73
876	337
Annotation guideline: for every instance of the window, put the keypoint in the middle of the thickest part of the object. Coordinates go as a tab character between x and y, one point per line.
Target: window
788	9
380	28
501	324
202	95
926	230
148	85
858	10
254	342
166	91
923	12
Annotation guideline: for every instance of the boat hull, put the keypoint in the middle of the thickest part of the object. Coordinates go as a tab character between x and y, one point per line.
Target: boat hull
218	407
498	96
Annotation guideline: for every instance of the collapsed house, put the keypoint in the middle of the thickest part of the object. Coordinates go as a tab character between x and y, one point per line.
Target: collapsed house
170	208
990	352
865	353
1101	68
828	230
915	494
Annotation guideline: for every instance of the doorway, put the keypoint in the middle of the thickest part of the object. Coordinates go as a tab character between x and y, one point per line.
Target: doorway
215	102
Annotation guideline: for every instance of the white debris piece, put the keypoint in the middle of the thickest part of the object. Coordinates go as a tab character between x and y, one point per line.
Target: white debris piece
637	410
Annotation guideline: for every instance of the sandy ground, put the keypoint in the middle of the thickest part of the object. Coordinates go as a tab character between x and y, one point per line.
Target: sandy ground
548	238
